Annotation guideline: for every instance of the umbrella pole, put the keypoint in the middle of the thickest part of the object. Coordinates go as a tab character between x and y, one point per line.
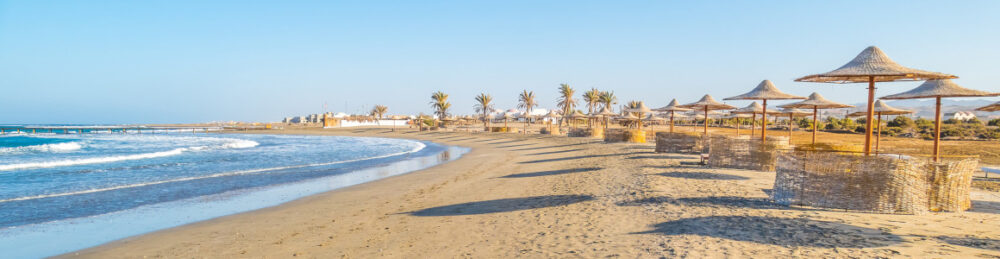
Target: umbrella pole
671	121
763	126
753	125
789	127
814	124
739	124
878	136
706	120
869	115
937	128
640	121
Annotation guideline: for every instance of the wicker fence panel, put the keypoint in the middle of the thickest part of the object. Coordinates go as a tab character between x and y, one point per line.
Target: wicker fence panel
667	142
614	135
745	153
879	184
950	183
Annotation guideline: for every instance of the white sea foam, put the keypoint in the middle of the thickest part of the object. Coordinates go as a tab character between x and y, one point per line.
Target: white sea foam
55	147
234	144
417	148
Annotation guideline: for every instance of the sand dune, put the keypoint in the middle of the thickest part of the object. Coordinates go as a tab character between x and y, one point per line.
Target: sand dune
539	196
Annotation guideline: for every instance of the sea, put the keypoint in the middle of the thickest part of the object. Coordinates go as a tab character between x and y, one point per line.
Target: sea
65	192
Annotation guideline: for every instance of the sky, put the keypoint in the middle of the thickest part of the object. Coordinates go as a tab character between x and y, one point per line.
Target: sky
109	62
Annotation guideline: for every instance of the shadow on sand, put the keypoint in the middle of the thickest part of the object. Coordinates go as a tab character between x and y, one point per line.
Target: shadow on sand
790	232
568	158
502	205
985	207
660	157
722	201
553	172
543	147
703	176
555	152
971	241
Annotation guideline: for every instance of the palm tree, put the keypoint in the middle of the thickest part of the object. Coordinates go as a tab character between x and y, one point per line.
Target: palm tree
378	111
527	101
592	98
566	101
608	99
440	104
484	105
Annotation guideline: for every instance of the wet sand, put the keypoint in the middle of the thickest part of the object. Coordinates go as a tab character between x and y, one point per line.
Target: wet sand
540	196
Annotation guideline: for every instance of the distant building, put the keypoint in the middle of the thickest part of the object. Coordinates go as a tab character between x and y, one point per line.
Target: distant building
962	116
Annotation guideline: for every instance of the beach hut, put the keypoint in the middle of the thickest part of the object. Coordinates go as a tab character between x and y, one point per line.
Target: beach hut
765	91
937	89
753	109
640	110
870	66
672	108
990	108
815	102
706	104
881	108
792	113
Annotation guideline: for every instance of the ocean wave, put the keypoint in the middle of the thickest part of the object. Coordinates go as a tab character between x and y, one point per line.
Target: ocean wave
54	147
235	144
417	148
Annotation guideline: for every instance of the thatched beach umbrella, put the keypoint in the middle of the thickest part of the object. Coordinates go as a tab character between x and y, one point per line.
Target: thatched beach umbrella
552	116
870	66
526	116
671	108
792	113
507	116
815	102
753	109
641	109
990	108
606	114
628	117
706	104
737	116
574	116
765	91
937	89
881	108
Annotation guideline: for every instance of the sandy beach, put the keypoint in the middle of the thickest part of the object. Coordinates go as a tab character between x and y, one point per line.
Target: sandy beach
540	196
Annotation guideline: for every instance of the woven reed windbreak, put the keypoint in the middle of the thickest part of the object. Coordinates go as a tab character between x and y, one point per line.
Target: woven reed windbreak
635	136
614	135
586	132
667	142
878	184
745	153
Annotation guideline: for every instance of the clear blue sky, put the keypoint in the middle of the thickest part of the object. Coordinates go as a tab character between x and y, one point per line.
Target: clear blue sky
195	61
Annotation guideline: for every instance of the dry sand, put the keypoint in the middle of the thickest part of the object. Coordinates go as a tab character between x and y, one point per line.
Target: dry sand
540	197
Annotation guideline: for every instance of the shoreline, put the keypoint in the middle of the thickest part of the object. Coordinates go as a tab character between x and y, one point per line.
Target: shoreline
519	195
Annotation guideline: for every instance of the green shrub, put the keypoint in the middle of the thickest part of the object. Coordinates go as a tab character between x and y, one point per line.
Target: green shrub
994	122
902	122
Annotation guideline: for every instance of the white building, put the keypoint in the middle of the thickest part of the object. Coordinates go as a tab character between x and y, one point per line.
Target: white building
962	116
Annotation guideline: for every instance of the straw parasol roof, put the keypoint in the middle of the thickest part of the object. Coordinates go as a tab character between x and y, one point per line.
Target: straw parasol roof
990	108
873	65
508	115
672	106
765	91
553	115
628	116
707	103
653	117
816	101
938	88
793	112
754	107
882	108
641	109
606	112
